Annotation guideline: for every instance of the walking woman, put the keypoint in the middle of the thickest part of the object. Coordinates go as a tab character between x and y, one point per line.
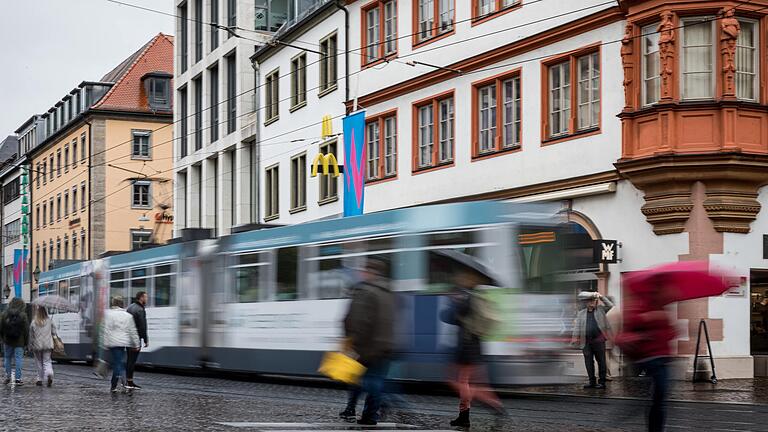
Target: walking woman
41	334
119	334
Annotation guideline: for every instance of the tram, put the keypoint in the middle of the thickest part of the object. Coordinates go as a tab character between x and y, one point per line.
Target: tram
272	301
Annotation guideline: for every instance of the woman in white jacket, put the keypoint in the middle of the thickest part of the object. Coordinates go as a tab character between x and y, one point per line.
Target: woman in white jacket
41	333
119	334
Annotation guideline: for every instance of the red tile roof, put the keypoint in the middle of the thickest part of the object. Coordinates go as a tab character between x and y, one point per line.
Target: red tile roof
128	93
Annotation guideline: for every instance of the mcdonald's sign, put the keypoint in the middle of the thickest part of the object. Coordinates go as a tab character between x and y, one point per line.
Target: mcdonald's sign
329	161
327	127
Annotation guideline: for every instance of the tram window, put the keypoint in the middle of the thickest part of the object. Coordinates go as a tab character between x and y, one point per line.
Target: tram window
74	291
116	289
440	274
64	289
117	275
138	283
287	269
331	279
247	284
451	238
163	291
163	269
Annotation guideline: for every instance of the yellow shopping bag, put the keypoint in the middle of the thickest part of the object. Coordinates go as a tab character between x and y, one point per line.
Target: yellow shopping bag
341	367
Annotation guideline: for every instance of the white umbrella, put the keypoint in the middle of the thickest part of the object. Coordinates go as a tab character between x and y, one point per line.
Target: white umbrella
55	302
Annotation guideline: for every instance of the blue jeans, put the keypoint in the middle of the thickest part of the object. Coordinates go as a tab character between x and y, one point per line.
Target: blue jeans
658	371
373	386
13	353
118	365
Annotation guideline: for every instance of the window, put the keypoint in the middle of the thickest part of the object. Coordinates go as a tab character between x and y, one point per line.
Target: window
58	163
287	273
141	194
66	203
231	14
183	21
52	170
328	47
380	36
213	76
58	207
43	262
158	89
747	61
272	186
66	247
697	58
483	8
45	213
299	81
83	147
83	197
272	95
163	286
299	182
214	24
11	191
497	127
74	153
197	85
74	199
37	216
74	246
50	254
198	30
140	144
38	174
58	249
13	231
381	147
231	93
82	245
328	184
66	156
434	121
43	173
651	64
50	206
184	125
250	271
567	115
430	27
139	239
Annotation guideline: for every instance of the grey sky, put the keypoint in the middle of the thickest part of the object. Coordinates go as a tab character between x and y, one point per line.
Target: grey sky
49	46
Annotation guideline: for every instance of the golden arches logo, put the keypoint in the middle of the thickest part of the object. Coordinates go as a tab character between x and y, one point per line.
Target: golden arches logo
328	160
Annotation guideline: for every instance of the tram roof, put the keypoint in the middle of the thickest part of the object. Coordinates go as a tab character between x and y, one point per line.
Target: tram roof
66	272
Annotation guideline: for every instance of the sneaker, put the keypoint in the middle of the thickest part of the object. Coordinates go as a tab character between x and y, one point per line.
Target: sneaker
114	390
366	422
19	382
590	386
132	386
347	414
600	386
50	381
39	383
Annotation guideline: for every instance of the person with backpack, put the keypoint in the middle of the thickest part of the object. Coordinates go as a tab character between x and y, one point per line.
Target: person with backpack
14	330
473	316
41	334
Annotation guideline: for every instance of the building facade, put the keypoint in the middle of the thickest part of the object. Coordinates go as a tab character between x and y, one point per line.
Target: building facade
11	215
102	170
644	118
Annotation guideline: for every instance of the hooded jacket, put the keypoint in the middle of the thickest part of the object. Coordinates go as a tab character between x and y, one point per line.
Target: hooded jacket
370	322
16	307
119	329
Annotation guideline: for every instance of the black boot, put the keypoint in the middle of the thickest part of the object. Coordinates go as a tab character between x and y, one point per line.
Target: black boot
462	420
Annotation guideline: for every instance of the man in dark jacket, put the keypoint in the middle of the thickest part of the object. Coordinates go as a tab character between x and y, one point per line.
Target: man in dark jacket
369	328
14	330
140	318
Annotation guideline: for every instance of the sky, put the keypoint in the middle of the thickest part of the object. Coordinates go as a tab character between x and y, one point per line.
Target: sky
48	47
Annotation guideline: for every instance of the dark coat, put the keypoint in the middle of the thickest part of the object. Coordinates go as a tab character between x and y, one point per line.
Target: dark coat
16	307
140	318
469	348
370	321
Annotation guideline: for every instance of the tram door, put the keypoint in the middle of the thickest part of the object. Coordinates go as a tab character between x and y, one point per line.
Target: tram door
189	298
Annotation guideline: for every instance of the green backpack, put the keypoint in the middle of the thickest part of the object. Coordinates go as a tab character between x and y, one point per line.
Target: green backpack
483	318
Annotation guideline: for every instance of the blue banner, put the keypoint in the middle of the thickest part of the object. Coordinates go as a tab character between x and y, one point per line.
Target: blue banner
19	269
354	163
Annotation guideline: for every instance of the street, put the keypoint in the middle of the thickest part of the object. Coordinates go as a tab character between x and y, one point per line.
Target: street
80	401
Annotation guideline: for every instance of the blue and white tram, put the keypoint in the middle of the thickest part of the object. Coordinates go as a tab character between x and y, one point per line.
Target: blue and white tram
271	301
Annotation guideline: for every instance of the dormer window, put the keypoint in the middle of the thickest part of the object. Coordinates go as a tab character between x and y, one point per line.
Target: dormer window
157	85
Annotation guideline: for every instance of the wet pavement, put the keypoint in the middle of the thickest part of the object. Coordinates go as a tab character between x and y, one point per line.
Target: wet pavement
80	401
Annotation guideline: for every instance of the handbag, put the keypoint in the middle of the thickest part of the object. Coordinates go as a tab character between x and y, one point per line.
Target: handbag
101	368
341	367
58	347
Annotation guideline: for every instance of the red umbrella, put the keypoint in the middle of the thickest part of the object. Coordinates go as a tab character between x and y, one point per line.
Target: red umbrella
677	281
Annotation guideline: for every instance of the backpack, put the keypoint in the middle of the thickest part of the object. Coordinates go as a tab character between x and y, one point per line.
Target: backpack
13	326
483	318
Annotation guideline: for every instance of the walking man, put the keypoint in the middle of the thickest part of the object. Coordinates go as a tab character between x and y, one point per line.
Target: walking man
119	334
590	331
369	326
14	331
136	309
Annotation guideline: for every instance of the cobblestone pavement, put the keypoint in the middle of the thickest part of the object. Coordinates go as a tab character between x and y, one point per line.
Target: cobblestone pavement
80	401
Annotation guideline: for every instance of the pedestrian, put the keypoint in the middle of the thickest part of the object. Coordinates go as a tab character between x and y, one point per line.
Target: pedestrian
41	333
136	309
590	332
465	312
369	327
14	330
119	334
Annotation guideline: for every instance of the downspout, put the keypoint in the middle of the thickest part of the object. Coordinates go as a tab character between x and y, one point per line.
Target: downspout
256	151
90	188
346	48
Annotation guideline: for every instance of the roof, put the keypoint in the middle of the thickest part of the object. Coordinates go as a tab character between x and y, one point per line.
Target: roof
127	93
27	123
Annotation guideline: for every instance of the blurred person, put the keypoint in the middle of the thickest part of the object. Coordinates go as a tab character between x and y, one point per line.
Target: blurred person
137	310
645	338
470	370
590	332
369	328
41	333
118	335
14	331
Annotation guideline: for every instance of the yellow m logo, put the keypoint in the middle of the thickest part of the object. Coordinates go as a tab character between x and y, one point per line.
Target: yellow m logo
327	160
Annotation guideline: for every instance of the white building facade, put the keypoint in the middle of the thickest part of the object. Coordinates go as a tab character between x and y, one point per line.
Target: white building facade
593	106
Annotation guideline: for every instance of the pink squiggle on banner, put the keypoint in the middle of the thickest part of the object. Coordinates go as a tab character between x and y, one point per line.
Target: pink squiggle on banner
356	173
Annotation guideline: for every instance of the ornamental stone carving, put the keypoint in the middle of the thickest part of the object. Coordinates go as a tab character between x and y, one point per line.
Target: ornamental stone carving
667	53
627	61
729	34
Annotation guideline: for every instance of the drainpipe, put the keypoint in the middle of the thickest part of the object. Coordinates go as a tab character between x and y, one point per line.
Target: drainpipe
255	150
339	5
90	188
